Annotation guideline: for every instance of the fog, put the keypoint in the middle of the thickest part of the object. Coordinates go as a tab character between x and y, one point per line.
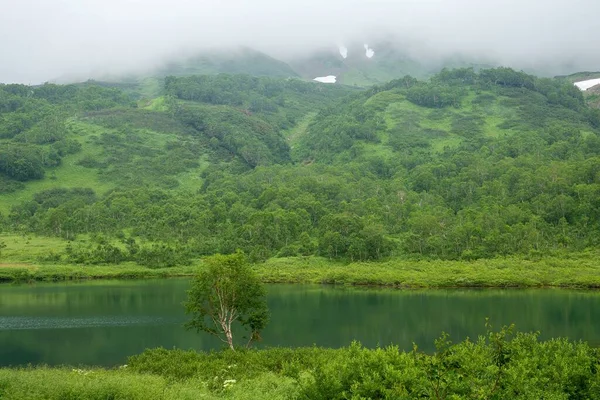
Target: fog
43	40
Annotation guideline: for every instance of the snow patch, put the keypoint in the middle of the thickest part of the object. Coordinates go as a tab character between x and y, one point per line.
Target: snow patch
326	79
369	52
585	85
344	51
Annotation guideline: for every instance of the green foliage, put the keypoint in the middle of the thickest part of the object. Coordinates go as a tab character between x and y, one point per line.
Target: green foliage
435	96
278	101
228	293
101	251
78	384
466	166
161	255
33	124
498	365
255	141
21	163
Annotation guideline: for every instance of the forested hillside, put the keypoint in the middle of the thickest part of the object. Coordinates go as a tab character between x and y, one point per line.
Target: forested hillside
463	166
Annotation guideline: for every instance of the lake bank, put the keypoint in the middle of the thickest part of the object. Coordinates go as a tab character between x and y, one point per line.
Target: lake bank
528	368
576	271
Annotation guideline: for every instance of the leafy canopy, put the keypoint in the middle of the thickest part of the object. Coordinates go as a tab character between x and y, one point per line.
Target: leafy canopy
228	293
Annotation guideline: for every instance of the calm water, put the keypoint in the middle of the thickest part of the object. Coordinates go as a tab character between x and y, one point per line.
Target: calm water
101	323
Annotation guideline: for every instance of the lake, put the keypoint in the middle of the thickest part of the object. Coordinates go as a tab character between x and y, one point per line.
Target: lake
103	322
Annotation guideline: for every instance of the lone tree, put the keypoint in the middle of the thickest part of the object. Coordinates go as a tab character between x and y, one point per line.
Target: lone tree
228	294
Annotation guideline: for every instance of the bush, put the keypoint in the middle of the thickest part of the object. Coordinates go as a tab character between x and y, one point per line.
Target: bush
161	255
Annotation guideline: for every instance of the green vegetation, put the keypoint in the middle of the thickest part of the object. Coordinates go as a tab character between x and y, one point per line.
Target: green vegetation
36	258
499	365
225	295
468	179
466	166
592	95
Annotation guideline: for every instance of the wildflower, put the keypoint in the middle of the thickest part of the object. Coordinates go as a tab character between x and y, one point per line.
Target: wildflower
228	383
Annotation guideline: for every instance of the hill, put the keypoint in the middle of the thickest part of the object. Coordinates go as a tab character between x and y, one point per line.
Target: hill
386	61
63	135
149	83
466	165
238	61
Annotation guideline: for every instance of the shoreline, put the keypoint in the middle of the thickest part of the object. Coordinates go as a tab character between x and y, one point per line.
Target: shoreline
552	272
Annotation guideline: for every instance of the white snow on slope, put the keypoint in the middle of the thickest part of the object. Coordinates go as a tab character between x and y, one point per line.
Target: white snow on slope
344	51
326	79
585	85
369	52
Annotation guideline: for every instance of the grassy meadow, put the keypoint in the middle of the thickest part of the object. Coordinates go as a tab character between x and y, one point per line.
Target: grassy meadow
21	260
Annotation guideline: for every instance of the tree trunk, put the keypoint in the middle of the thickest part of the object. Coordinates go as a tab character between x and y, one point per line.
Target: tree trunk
229	336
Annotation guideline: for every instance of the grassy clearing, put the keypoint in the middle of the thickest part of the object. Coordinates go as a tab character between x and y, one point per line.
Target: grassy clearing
296	133
68	174
292	135
150	87
27	248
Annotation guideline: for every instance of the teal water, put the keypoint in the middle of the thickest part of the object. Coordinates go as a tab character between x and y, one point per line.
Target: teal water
101	323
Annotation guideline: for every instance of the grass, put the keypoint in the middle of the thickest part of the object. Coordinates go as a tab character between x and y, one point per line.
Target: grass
530	368
582	271
55	273
398	110
294	135
19	261
27	248
66	383
68	174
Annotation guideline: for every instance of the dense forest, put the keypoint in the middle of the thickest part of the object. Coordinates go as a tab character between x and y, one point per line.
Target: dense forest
466	165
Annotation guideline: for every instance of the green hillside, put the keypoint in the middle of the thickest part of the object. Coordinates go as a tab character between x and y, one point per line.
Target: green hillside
91	135
592	95
464	166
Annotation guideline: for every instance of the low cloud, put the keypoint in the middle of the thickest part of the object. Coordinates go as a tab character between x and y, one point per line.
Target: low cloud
47	39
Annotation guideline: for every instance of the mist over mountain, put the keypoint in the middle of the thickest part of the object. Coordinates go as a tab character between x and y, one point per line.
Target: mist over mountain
76	40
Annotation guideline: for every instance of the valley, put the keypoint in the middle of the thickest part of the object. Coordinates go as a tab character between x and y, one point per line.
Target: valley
385	214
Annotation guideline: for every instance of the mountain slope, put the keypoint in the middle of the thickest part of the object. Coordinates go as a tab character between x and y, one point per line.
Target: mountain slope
465	165
387	61
63	136
238	61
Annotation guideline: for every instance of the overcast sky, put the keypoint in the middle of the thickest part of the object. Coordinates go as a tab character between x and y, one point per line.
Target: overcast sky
41	40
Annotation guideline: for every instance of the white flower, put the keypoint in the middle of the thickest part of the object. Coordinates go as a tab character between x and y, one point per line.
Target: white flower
228	382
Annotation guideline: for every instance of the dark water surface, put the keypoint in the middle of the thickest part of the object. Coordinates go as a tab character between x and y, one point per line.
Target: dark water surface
101	323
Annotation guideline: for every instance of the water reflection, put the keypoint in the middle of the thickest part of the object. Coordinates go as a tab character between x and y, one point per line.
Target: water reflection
101	323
